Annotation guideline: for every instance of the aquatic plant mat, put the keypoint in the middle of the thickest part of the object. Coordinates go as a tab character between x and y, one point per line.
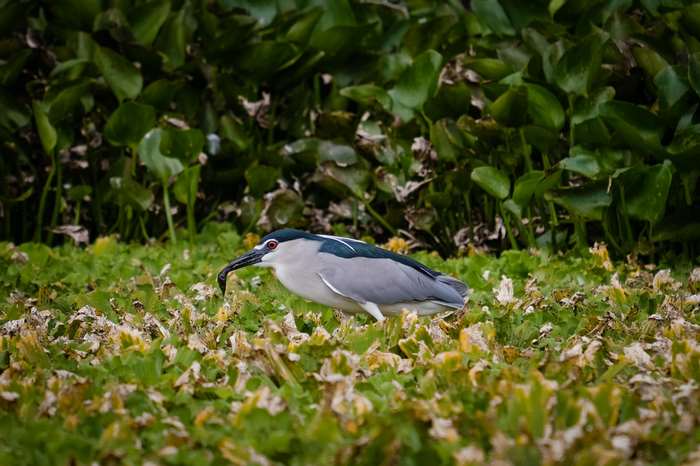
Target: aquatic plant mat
128	354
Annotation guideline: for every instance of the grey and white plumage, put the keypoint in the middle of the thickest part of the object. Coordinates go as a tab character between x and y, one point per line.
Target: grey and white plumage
351	275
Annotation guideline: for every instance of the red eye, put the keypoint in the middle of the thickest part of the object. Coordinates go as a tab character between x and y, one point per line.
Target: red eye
272	244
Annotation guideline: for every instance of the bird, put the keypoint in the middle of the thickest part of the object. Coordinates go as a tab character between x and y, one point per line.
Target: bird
351	275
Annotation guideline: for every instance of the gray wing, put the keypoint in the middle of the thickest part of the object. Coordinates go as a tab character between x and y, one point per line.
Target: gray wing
383	281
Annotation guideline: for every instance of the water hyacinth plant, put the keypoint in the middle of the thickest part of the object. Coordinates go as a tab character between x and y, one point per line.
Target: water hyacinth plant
548	124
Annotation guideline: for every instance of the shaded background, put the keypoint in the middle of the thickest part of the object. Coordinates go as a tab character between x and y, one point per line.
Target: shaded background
457	125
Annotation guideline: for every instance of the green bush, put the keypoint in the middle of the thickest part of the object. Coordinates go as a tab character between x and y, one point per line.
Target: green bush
501	123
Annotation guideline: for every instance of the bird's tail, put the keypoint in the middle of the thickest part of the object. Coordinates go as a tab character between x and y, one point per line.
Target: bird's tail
457	285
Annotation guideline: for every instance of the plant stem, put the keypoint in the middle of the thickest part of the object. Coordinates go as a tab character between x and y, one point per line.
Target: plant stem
506	224
42	200
57	201
378	217
168	214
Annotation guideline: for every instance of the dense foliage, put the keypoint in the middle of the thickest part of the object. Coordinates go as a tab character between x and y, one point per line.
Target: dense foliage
134	358
508	122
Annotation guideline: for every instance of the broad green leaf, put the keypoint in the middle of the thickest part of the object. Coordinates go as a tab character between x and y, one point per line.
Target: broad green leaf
47	133
121	75
78	14
185	187
68	102
671	86
171	40
148	19
544	107
366	94
578	66
492	180
491	14
646	191
446	138
160	166
129	192
343	155
261	178
636	125
584	164
525	187
182	144
265	58
650	61
450	101
300	32
284	207
489	68
424	35
11	69
511	108
161	93
691	19
15	114
587	201
234	131
340	180
128	123
419	81
694	72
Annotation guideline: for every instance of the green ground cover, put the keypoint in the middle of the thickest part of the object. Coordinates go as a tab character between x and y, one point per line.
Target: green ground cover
124	354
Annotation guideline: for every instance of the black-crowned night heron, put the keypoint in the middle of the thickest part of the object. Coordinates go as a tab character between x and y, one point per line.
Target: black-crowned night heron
351	275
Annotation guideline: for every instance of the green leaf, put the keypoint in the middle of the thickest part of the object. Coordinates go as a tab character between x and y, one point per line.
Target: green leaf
300	32
492	69
446	139
511	108
66	103
11	70
128	123
637	126
129	192
284	207
450	101
185	187
234	131
47	133
525	186
650	61
492	180
587	201
694	72
261	178
182	144
15	114
265	58
491	13
121	75
148	19
578	66
646	191
340	180
419	81
171	40
584	164
671	86
544	107
161	166
367	94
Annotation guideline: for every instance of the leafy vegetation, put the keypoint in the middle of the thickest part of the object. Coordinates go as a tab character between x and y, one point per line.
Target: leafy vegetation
513	123
126	354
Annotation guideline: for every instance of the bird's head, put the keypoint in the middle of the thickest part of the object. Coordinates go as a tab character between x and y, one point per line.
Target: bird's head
265	253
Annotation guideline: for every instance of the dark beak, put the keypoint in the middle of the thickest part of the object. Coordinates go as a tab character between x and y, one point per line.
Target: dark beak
249	258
